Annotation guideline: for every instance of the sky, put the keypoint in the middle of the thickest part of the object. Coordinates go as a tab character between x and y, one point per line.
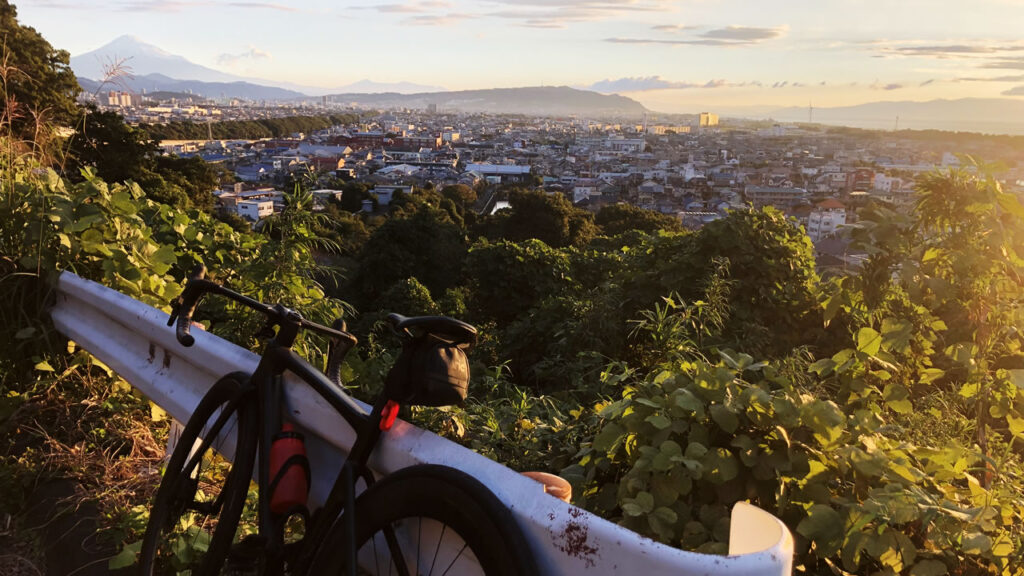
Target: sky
673	56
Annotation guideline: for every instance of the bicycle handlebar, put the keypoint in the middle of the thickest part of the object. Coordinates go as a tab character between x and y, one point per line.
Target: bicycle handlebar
184	306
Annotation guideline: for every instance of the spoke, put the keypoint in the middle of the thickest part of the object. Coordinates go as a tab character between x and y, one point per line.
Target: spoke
438	549
457	556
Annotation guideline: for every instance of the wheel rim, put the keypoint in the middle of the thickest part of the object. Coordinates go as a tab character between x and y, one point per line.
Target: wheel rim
196	498
426	547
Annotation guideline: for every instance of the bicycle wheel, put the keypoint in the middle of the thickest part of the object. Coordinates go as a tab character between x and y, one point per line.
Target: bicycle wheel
198	505
443	521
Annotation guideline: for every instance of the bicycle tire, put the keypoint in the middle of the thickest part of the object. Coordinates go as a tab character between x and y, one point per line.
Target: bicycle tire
186	491
449	500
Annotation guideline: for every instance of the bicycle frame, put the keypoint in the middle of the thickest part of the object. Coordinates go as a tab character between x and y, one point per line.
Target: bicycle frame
265	384
268	389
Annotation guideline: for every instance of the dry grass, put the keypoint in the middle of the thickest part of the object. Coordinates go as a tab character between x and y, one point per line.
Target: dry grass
91	428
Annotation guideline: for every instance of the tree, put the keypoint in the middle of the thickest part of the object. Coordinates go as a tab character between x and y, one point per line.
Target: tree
194	175
462	195
616	219
38	82
550	218
118	151
509	278
425	245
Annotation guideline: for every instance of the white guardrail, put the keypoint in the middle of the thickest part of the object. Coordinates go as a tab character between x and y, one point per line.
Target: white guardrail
133	339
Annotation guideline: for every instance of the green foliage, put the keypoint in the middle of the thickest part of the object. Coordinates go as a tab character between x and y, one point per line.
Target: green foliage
509	278
899	454
251	129
615	219
119	153
550	218
39	88
426	245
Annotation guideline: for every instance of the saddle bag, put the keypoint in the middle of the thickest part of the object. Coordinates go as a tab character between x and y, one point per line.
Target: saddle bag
430	371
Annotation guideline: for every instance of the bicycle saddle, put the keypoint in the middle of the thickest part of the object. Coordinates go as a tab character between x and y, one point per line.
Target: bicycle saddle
443	326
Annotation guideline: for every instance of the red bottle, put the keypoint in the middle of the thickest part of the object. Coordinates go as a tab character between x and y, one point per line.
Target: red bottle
289	471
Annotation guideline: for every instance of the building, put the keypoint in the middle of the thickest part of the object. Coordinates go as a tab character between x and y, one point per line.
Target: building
825	219
781	197
501	173
707	119
255	210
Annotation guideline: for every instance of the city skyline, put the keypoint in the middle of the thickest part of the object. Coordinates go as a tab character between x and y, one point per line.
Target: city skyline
669	55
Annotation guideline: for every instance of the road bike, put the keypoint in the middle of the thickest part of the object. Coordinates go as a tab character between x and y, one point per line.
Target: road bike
424	519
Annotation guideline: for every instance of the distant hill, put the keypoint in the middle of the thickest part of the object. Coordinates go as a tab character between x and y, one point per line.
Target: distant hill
988	115
367	86
536	100
162	83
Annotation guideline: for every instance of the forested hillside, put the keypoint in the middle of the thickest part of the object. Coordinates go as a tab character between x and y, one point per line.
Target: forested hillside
667	374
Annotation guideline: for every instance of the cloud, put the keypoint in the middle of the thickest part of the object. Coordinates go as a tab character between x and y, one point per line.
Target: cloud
407	8
1016	91
638	84
927	82
179	5
646	83
946	51
1005	64
887	87
264	6
672	27
1012	78
744	34
154	6
252	54
436	19
728	36
561	13
781	84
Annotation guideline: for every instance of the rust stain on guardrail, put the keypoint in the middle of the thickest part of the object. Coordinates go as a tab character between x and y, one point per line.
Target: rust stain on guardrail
572	538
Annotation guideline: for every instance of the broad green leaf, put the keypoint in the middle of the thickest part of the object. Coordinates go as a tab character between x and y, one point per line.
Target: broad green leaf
1017	377
44	366
1003	546
609	435
897	397
725	418
687	401
822	524
976	543
929	375
659	421
126	557
869	341
929	568
639	505
822	367
1016	425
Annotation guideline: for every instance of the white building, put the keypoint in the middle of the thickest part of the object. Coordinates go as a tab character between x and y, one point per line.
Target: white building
825	219
255	210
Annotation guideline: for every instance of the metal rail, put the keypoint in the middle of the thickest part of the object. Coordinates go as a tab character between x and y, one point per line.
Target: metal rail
133	339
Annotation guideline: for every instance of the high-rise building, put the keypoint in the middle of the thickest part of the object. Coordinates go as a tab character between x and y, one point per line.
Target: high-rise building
708	119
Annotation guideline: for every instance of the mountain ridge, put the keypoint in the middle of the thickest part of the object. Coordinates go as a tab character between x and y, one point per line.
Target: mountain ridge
144	59
540	100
